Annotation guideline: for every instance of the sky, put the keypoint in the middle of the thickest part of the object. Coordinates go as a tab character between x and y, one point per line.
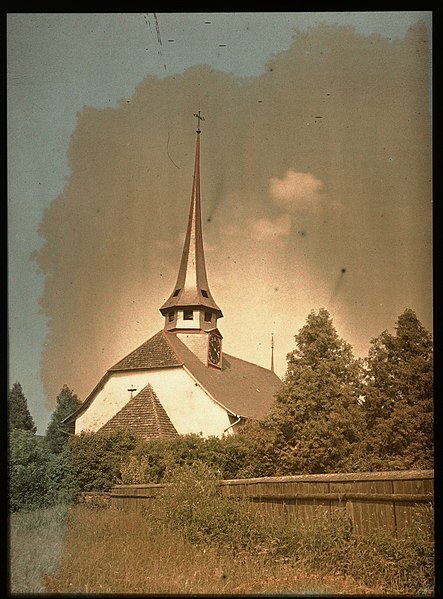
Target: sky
315	178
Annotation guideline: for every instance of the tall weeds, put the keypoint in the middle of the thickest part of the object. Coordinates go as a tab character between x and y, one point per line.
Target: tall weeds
35	547
194	540
129	553
192	505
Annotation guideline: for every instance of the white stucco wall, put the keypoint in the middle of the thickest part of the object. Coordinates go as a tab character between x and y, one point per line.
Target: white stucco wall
188	324
188	406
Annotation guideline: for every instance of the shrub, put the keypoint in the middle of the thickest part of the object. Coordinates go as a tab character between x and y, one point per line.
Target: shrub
234	456
61	477
152	459
38	478
97	458
192	504
28	472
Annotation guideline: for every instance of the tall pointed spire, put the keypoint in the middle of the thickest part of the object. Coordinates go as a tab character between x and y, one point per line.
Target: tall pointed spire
191	289
272	352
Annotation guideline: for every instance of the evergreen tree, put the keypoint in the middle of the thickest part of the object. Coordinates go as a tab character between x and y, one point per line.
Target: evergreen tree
399	396
317	419
56	434
19	416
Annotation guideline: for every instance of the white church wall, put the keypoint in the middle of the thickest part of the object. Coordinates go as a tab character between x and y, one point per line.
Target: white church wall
188	406
110	399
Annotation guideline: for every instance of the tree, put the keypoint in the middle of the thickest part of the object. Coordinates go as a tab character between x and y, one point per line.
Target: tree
27	469
98	458
19	416
56	435
399	396
317	419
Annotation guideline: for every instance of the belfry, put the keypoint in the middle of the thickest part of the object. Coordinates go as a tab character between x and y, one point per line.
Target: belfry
180	381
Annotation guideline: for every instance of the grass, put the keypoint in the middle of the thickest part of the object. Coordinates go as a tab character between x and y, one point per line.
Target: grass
193	540
124	553
35	547
118	552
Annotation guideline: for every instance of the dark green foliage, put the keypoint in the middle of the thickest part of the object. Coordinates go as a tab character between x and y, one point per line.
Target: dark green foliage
41	471
61	477
234	456
317	421
237	456
264	443
89	462
37	478
399	397
97	458
57	434
192	504
19	416
28	471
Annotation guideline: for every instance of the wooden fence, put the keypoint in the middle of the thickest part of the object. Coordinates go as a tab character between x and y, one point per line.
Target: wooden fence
372	500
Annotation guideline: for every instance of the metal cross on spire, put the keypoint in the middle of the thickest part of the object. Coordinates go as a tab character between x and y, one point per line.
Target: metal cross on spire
199	118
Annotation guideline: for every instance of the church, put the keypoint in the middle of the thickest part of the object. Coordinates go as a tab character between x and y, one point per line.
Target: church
180	380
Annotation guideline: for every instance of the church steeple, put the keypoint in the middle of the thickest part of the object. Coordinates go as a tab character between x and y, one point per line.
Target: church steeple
191	305
272	352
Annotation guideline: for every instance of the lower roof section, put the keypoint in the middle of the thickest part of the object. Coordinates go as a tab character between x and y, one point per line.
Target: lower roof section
145	415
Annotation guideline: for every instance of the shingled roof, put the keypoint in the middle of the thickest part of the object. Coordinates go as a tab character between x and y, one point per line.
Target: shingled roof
242	387
154	353
143	414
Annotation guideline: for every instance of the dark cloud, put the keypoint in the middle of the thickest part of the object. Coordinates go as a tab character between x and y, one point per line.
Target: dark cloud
112	239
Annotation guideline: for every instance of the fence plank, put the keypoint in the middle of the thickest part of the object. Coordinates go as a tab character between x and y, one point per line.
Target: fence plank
405	513
373	500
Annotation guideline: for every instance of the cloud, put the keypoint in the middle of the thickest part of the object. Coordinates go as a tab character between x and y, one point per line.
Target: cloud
230	229
297	191
264	229
113	238
163	245
260	229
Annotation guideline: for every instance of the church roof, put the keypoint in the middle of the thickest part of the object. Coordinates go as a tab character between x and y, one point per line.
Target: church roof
154	353
245	389
143	414
242	387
